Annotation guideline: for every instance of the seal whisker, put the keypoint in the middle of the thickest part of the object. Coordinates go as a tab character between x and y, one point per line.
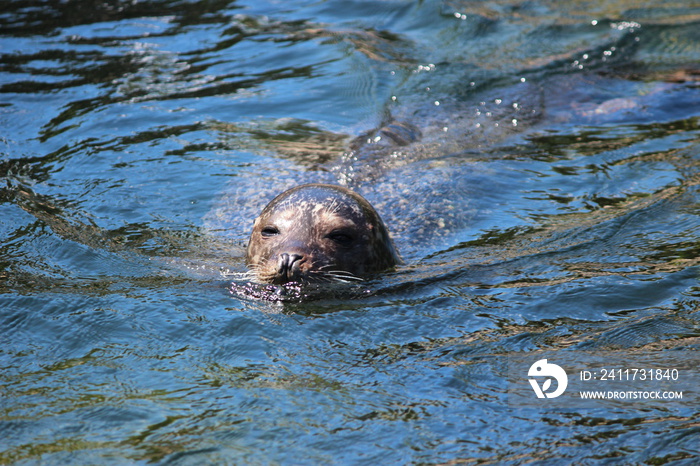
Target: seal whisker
261	273
324	267
334	207
340	275
327	273
347	277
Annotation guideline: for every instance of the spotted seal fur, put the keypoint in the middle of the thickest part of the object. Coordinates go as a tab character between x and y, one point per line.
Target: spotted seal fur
317	233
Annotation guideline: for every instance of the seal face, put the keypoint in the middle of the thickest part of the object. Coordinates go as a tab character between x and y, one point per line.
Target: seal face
317	233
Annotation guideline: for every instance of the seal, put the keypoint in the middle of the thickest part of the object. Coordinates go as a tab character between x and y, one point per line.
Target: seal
318	233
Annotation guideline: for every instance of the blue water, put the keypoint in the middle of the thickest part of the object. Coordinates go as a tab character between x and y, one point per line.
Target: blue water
550	206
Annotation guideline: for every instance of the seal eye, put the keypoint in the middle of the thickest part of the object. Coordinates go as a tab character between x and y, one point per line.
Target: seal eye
269	231
342	238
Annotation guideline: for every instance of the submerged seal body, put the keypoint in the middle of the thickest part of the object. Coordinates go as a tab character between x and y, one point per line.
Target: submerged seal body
317	233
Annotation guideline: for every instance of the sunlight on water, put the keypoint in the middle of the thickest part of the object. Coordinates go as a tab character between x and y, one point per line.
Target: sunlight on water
536	165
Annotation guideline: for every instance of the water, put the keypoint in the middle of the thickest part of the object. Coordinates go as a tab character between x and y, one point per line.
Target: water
549	208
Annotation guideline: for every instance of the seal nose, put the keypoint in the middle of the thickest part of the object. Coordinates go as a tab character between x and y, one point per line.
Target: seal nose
288	267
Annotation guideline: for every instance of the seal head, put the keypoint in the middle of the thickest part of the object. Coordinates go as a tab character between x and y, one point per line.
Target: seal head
316	233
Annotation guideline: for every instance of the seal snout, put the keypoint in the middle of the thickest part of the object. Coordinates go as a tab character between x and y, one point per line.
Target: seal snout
289	267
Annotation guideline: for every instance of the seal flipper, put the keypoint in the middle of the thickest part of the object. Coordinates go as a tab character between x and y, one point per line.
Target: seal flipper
401	133
395	133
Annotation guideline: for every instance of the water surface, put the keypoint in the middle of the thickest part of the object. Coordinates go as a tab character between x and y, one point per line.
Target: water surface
550	205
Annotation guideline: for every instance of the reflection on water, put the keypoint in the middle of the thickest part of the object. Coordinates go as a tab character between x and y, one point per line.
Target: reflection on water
536	165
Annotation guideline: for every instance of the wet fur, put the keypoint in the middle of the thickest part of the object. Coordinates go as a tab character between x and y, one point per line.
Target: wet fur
306	218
